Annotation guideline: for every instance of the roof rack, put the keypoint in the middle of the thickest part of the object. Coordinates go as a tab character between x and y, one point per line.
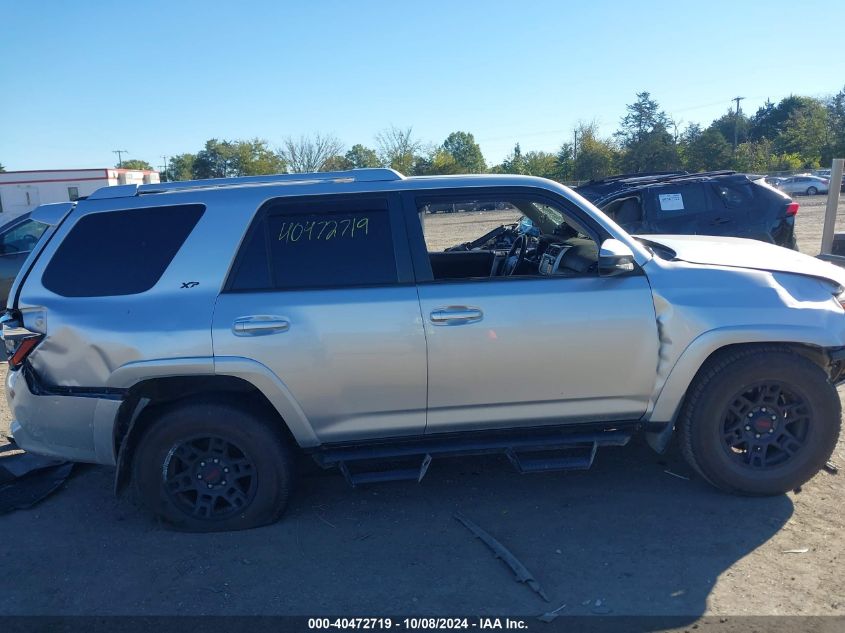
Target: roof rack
644	174
351	175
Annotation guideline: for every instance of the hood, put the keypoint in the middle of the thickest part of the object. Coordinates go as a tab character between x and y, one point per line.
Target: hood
738	252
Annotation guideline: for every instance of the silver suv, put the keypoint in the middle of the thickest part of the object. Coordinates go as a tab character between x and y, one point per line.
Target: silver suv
199	336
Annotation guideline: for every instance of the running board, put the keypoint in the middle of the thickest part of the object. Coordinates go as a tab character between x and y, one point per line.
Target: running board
528	453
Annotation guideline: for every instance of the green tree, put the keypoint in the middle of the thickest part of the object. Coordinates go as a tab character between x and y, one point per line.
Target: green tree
542	164
760	157
180	167
336	163
770	119
707	150
436	161
136	164
465	153
725	125
565	160
398	149
805	133
360	156
597	158
225	159
2	169
836	126
514	163
645	138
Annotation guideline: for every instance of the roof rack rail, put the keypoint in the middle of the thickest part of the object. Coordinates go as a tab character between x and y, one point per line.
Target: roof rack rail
644	174
351	175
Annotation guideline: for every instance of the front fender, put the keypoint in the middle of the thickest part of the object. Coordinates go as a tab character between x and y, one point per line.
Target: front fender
668	402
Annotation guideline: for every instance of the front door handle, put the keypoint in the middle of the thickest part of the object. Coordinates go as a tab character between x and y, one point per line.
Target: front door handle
456	315
255	325
720	221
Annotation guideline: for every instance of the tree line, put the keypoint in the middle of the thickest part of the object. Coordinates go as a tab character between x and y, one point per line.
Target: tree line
798	132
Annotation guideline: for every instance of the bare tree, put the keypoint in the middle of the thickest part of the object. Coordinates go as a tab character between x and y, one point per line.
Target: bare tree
309	154
397	148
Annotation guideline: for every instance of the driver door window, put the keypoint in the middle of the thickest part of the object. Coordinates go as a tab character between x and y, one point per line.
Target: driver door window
497	237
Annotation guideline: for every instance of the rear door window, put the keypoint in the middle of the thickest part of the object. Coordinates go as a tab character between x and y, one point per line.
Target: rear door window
119	252
318	243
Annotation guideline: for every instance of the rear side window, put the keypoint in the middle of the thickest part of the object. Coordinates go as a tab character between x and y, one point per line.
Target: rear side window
119	252
318	244
676	201
735	196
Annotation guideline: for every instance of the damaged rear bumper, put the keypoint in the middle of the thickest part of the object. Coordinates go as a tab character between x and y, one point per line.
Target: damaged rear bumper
77	428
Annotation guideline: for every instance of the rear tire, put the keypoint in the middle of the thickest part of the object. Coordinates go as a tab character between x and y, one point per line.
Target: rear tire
811	191
760	421
213	466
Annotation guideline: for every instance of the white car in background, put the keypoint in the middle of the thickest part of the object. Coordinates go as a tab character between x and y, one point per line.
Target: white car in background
804	184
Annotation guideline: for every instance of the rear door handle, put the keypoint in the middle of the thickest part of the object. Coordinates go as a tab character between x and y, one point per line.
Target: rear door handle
456	315
720	221
255	325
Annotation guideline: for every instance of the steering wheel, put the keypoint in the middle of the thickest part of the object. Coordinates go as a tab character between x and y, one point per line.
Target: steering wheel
28	242
521	243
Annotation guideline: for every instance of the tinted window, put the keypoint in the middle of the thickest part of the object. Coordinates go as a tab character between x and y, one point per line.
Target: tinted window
735	196
119	252
315	244
678	201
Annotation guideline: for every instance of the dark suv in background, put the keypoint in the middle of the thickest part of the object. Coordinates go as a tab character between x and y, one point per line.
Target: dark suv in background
712	203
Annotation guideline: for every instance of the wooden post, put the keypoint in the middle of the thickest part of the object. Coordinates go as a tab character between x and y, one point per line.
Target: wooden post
832	205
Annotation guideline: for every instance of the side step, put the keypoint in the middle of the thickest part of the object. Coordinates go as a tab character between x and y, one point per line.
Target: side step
528	452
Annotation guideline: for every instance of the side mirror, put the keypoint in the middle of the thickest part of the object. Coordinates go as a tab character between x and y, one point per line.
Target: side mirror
615	258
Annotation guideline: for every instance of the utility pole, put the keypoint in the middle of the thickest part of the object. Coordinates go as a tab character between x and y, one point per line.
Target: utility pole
575	144
736	122
165	166
120	153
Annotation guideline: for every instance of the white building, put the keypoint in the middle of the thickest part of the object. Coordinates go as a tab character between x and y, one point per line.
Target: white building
22	191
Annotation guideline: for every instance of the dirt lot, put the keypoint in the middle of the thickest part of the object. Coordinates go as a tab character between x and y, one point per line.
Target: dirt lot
627	533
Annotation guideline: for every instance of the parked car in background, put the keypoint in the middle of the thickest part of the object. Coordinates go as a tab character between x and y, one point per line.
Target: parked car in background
200	335
17	239
807	185
774	181
711	203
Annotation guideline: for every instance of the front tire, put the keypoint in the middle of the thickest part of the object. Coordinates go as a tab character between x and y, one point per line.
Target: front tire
213	466
760	421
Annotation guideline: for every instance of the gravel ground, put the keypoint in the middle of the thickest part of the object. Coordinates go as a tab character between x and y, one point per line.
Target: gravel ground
627	533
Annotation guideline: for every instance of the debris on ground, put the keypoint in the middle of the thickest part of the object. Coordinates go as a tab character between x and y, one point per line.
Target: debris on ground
551	615
500	551
26	478
831	468
669	472
800	550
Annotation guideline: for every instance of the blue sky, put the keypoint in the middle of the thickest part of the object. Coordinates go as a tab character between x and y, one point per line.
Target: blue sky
80	79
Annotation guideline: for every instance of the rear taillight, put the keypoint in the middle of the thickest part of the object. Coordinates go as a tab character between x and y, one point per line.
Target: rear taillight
24	348
792	208
18	340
